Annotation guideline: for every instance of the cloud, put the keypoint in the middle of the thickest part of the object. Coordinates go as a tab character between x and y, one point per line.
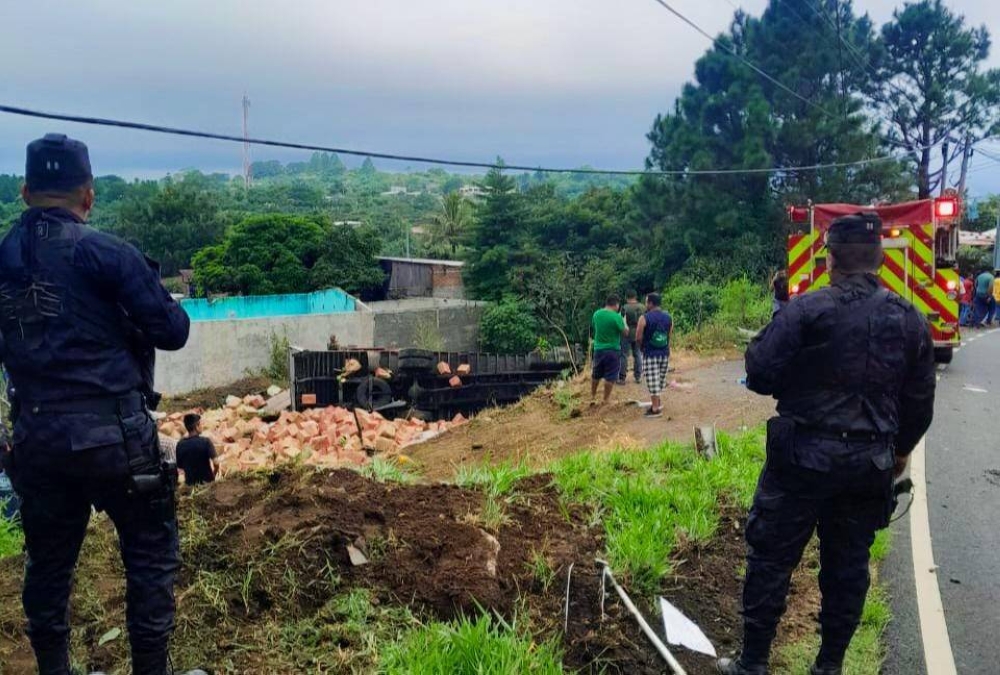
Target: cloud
557	82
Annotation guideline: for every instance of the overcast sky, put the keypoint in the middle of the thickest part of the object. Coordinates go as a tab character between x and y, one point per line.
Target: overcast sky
552	82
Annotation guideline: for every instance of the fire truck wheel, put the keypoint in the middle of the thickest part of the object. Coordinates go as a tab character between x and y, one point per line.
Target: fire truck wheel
943	354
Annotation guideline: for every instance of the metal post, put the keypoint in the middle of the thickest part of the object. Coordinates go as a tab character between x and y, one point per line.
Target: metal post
996	247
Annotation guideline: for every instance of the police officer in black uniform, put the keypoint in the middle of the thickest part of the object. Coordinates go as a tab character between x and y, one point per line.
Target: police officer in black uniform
80	313
852	368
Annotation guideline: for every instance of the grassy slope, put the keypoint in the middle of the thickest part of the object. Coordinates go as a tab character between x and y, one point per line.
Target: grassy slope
647	501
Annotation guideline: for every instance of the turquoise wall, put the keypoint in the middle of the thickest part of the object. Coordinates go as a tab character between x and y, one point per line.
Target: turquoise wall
330	301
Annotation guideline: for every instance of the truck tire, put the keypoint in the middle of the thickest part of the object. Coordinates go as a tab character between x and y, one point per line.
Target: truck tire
416	360
943	354
373	393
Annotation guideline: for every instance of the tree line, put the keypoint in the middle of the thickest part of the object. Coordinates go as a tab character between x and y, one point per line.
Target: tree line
840	92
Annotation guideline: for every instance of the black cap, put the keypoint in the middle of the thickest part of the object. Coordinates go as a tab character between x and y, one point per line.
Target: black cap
56	163
861	228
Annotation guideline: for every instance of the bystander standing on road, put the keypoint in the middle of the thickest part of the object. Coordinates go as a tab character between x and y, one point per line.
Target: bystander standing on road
609	330
653	333
965	301
994	311
982	297
632	311
196	454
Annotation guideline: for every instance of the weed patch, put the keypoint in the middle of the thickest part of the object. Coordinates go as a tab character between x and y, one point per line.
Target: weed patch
867	651
11	537
387	471
471	646
650	500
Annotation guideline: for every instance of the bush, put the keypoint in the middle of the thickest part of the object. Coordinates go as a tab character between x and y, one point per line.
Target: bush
691	304
744	304
508	327
973	260
711	336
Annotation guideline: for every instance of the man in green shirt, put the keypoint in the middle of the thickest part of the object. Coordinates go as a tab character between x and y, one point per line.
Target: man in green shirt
609	330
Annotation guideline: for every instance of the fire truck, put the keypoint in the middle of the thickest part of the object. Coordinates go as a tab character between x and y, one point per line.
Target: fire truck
920	240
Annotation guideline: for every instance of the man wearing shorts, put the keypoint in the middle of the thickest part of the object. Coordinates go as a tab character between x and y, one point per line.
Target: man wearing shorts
609	330
653	334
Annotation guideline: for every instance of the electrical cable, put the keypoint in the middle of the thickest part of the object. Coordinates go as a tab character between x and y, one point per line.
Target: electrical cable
142	126
747	62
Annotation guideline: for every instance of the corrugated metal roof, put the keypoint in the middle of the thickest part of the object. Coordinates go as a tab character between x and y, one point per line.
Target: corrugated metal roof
424	261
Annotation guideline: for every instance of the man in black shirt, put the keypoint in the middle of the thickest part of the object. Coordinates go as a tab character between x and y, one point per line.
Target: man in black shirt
196	454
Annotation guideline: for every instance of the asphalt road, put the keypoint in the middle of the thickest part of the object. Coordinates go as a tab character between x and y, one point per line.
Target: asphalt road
963	498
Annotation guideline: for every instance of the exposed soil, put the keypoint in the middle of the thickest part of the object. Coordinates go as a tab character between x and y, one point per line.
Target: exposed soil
540	428
214	397
284	536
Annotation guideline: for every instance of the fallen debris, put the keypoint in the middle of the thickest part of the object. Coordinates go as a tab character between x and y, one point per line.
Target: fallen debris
325	437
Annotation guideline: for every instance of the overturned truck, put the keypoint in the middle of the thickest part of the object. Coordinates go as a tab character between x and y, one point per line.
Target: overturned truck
421	383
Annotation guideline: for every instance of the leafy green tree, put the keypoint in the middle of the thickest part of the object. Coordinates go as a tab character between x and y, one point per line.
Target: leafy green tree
449	227
177	221
508	327
348	260
931	82
262	255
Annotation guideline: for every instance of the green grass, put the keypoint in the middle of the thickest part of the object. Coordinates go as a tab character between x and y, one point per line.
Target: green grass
498	485
566	399
387	471
867	651
882	544
499	480
541	569
650	500
11	537
471	646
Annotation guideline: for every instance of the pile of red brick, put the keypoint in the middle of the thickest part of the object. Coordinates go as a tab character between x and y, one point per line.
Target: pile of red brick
326	437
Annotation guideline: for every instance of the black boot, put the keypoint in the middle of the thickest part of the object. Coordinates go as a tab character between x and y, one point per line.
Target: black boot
53	662
825	669
734	667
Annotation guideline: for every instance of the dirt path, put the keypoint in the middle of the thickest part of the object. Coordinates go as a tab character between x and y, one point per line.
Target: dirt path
556	422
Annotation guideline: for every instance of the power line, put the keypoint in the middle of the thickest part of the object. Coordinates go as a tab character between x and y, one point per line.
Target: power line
142	126
747	62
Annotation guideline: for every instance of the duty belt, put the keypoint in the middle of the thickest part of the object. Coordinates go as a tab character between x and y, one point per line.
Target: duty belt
123	406
846	436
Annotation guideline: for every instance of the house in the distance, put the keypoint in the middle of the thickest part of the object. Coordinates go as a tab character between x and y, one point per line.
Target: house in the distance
422	278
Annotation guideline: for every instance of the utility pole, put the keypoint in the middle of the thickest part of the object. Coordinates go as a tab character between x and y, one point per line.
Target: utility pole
966	156
247	170
945	149
996	245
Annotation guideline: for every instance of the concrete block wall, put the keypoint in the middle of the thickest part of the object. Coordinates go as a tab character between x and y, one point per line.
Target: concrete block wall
221	352
406	323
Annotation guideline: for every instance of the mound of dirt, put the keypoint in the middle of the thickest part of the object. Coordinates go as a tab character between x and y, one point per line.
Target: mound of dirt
267	554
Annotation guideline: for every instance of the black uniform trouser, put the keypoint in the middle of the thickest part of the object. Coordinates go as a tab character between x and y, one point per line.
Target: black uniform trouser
55	510
635	349
845	502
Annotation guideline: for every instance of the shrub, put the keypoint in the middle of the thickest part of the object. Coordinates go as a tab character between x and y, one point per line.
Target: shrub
710	336
508	327
973	260
691	304
744	304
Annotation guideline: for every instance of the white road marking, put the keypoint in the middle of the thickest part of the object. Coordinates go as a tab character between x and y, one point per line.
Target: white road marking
933	625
